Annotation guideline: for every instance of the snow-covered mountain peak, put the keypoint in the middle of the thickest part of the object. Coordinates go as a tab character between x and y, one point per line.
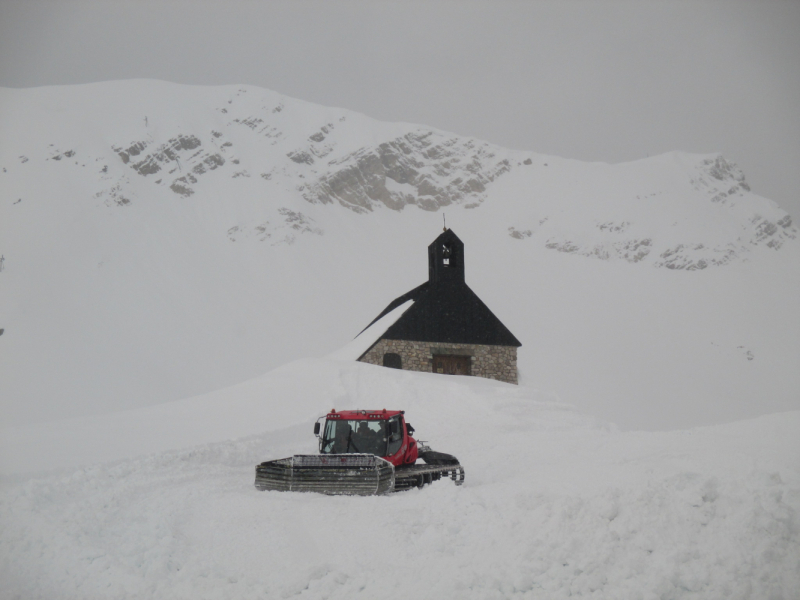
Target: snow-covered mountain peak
161	240
319	154
136	140
677	210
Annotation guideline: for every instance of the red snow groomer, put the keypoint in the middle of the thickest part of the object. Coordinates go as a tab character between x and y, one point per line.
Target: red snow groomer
362	452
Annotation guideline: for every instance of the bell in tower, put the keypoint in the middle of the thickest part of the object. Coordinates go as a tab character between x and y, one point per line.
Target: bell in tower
446	259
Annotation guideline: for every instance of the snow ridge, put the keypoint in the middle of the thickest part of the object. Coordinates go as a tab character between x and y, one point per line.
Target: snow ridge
555	504
700	211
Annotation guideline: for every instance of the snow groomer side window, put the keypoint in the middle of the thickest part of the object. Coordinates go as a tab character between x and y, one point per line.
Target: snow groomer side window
329	438
395	435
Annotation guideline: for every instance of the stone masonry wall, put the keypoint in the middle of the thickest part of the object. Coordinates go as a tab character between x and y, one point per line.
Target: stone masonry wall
491	362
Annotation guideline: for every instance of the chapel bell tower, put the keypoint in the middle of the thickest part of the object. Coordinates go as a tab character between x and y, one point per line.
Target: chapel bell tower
446	259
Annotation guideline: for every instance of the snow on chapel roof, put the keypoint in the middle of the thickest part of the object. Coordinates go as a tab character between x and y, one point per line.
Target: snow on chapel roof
367	338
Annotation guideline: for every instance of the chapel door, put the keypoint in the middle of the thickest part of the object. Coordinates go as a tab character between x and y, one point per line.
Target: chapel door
451	365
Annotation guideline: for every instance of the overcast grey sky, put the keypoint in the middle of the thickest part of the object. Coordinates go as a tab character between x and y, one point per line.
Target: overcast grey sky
592	80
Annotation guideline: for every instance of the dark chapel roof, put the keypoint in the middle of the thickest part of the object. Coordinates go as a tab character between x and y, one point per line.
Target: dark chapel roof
445	309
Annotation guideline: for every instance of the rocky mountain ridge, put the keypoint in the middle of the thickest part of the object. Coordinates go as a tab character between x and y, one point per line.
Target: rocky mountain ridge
333	156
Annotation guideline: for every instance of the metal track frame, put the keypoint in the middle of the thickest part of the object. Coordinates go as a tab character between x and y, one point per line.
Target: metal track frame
407	477
350	475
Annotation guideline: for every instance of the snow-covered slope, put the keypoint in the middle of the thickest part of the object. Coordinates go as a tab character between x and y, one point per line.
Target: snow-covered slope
162	241
555	504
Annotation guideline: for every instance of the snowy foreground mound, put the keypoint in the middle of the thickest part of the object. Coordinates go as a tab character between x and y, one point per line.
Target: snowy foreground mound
555	504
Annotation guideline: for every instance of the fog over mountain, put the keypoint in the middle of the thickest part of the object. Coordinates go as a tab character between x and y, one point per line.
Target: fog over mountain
162	241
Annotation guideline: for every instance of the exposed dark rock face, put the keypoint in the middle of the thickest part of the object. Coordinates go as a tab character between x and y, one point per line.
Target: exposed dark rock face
180	188
427	168
695	257
209	163
423	168
134	149
720	178
519	235
180	153
721	169
301	157
722	182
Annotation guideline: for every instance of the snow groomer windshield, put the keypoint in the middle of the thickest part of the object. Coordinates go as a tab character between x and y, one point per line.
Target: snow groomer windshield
355	437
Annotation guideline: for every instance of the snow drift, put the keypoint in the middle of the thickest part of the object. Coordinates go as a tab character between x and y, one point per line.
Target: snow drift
556	504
